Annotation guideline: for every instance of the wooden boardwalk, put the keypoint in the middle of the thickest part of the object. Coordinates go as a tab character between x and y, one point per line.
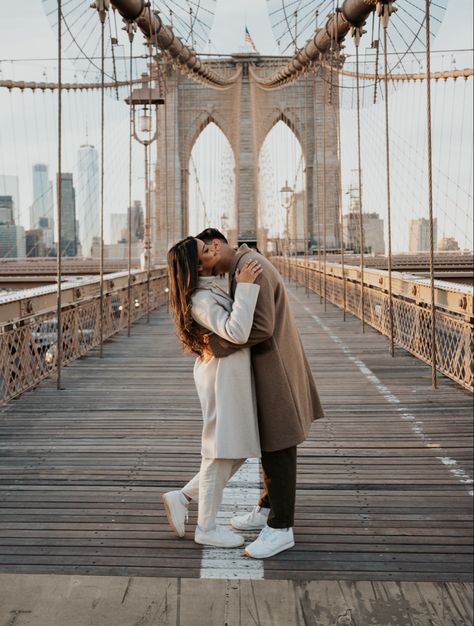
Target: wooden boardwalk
385	481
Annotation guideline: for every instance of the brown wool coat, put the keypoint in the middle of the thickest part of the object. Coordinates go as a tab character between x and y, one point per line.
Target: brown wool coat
287	399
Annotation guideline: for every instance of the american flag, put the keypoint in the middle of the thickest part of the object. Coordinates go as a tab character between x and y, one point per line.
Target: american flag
249	40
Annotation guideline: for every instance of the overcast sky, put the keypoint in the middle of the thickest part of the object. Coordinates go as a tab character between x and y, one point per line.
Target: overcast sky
26	34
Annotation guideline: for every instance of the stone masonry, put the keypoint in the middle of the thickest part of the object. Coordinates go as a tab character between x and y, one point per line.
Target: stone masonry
245	113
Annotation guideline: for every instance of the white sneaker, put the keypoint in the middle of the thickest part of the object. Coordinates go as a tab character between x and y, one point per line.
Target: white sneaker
255	520
218	537
270	541
176	511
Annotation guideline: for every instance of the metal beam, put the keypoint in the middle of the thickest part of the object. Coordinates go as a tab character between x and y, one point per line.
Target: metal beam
152	26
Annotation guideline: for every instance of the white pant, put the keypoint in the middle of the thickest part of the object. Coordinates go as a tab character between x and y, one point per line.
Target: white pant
208	486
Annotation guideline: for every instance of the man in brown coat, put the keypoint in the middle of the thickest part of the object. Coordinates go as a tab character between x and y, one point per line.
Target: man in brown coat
287	399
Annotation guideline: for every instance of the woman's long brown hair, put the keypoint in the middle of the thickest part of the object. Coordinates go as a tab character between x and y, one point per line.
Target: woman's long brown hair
183	276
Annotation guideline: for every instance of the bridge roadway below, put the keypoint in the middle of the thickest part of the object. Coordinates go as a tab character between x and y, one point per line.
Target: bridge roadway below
384	501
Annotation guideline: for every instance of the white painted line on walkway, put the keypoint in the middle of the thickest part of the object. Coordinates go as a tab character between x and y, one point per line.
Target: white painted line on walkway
240	495
416	425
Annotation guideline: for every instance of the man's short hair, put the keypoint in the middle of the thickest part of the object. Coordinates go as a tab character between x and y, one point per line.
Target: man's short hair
208	234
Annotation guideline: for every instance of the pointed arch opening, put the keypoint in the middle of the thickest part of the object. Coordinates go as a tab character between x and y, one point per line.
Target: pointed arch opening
212	182
282	216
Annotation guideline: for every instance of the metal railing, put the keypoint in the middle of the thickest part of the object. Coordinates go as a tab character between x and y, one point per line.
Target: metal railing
411	310
28	324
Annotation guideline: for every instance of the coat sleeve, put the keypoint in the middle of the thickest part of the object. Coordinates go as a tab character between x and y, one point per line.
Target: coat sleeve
263	321
233	326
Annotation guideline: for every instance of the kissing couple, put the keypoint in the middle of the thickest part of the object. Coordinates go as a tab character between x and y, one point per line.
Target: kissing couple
254	383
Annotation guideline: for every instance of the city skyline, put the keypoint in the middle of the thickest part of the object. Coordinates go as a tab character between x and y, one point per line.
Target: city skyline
82	115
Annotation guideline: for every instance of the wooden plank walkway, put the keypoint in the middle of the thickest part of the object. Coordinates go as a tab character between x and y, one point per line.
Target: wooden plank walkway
385	482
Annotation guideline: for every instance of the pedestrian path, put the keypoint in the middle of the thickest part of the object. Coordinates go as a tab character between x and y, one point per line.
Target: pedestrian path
384	485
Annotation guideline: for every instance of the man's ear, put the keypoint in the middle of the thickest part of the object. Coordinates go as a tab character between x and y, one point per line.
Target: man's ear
216	243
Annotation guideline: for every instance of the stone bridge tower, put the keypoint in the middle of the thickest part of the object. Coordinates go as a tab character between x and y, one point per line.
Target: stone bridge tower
245	112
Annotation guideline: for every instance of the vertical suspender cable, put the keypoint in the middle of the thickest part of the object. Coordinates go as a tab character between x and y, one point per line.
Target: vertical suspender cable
102	126
147	174
387	173
59	204
306	204
324	190
129	216
359	170
317	190
317	168
147	232
337	119
430	194
165	130
339	191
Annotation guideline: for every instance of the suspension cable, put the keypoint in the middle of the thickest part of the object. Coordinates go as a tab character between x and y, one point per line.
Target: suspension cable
59	206
324	195
317	187
129	216
384	15
357	34
337	111
101	7
148	174
430	194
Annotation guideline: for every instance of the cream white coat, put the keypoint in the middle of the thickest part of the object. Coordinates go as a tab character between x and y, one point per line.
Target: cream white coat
225	386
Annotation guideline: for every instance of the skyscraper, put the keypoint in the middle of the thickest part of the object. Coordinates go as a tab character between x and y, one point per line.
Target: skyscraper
373	232
137	221
12	241
87	206
9	186
6	210
68	216
43	203
419	235
118	227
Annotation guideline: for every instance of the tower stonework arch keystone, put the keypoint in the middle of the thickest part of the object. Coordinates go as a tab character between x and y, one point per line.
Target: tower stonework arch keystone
245	113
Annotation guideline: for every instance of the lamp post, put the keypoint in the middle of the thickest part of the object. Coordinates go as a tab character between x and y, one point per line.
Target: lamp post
286	193
143	101
224	223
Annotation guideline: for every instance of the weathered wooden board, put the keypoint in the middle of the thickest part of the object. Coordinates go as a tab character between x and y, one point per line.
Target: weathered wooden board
383	491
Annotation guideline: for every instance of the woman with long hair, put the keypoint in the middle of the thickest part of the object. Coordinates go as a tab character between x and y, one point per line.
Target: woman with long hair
225	386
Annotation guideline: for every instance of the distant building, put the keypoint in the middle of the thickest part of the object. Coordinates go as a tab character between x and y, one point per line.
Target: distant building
372	224
296	223
68	215
448	244
118	227
12	241
43	201
419	235
138	221
9	186
87	207
47	235
116	251
6	210
35	244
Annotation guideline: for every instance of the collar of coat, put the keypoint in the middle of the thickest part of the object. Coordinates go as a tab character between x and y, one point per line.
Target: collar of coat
206	282
243	249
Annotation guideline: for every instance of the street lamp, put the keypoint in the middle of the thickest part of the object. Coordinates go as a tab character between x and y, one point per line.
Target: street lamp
224	223
143	101
286	193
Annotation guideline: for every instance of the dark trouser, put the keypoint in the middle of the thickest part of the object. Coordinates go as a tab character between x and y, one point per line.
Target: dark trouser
279	492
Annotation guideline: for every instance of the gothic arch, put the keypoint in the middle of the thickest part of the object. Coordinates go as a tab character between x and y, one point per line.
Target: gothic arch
198	125
290	119
245	113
